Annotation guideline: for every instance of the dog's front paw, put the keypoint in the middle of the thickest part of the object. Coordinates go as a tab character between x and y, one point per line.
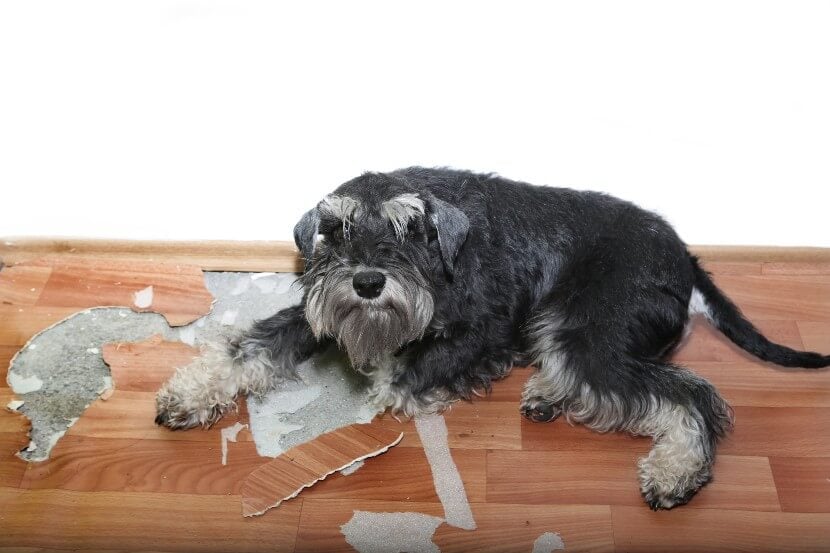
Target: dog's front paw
658	499
538	409
178	412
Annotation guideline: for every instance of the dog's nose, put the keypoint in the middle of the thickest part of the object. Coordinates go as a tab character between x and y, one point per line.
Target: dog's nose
368	284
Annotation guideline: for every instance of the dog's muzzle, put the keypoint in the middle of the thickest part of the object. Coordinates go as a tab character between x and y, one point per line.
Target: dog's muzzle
370	313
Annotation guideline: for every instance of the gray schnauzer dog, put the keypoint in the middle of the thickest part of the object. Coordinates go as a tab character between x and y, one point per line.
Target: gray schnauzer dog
435	282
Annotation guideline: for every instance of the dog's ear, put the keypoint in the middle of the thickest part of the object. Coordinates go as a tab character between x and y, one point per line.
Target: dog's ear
452	227
305	233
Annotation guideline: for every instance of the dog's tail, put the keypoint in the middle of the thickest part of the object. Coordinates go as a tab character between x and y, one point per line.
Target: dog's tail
727	318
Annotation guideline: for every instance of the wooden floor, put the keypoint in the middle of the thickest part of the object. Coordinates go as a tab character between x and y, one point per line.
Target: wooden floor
118	483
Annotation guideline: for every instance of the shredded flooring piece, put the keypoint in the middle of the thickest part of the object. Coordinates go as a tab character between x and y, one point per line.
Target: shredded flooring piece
432	429
143	298
14	405
548	542
306	464
229	434
391	532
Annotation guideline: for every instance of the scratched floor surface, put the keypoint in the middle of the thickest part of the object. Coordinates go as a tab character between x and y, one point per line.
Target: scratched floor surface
115	482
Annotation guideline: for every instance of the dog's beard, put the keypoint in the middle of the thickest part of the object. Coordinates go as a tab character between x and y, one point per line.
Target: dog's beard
367	329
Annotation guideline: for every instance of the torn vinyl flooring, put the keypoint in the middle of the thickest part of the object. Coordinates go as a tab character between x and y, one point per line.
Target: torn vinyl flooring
61	371
113	448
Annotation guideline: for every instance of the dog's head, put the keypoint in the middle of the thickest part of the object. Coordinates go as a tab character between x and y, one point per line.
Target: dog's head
375	251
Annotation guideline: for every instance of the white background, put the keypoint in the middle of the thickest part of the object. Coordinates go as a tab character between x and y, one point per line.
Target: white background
227	120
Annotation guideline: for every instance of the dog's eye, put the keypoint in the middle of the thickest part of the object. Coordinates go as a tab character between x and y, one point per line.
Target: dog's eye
413	229
432	234
333	233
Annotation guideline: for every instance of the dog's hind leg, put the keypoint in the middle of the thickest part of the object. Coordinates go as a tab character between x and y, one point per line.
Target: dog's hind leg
252	363
581	377
686	423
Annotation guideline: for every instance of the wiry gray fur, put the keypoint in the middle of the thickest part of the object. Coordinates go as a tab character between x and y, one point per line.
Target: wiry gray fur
436	282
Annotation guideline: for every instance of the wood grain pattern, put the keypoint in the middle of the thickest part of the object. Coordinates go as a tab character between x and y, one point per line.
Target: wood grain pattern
796	268
779	297
403	473
179	291
209	255
145	366
506	528
477	424
779	432
733	267
321	519
580	477
758	384
816	336
560	435
6	354
117	482
12	469
130	415
696	530
706	344
803	483
132	521
23	285
20	323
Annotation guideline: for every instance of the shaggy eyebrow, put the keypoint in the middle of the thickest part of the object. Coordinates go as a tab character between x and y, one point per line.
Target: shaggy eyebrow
343	208
402	209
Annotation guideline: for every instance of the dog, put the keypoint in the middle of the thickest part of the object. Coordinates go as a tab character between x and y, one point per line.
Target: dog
435	282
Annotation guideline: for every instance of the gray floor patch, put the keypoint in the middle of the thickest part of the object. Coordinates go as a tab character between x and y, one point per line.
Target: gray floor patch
404	532
391	532
343	400
548	542
432	429
267	417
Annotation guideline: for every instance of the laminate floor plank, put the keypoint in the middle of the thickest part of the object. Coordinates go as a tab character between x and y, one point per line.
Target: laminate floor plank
118	482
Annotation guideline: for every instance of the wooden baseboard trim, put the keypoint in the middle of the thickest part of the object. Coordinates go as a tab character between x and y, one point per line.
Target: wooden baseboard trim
210	255
762	254
280	256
